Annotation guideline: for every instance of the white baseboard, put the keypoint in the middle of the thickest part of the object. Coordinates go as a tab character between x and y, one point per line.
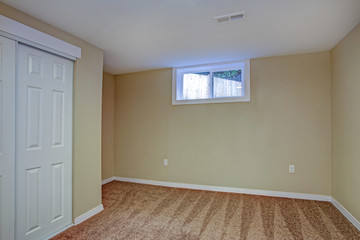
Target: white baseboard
105	181
58	232
346	213
88	214
228	189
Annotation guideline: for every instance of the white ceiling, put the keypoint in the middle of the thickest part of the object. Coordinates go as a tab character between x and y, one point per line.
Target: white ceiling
139	35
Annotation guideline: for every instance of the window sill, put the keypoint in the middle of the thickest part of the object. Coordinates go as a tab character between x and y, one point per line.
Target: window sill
211	100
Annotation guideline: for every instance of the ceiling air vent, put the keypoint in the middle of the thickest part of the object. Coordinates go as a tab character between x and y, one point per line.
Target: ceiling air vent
233	17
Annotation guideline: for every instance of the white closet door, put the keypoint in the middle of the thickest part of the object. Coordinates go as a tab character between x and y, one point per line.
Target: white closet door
7	137
43	143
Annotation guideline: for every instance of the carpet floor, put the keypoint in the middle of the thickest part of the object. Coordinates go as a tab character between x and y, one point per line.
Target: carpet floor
136	211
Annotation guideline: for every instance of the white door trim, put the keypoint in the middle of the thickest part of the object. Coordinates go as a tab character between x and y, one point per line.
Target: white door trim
20	32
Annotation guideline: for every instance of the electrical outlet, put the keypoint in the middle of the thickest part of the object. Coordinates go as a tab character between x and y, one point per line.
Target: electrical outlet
291	168
165	162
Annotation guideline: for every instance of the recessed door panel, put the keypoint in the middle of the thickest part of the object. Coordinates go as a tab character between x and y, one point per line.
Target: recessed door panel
34	125
57	191
35	65
32	200
58	72
58	119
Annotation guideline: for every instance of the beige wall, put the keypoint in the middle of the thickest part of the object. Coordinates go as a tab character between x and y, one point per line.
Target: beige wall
87	114
107	148
346	122
248	145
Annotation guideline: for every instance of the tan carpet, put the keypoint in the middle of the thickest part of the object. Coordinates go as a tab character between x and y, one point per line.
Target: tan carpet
136	211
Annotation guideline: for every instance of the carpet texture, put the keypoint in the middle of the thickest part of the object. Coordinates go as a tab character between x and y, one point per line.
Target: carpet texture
137	211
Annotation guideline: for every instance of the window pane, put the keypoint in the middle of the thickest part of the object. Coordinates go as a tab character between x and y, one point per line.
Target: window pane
228	84
196	85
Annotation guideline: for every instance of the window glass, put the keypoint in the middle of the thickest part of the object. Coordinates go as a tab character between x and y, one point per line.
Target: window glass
196	85
228	84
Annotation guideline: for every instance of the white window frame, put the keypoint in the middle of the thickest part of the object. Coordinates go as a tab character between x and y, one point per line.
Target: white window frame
177	82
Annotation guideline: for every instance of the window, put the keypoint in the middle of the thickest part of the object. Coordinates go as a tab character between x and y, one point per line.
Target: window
213	83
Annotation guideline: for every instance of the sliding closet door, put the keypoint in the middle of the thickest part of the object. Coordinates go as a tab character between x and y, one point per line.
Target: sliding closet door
43	144
7	137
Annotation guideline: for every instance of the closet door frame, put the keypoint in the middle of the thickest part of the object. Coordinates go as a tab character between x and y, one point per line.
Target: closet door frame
22	33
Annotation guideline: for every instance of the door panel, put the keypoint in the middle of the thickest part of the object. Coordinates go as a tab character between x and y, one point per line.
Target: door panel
58	119
32	198
33	118
57	191
7	137
44	125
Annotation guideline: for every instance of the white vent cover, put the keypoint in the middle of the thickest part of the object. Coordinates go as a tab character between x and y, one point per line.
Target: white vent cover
233	17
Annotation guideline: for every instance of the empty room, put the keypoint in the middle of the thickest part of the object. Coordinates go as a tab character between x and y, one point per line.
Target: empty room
169	119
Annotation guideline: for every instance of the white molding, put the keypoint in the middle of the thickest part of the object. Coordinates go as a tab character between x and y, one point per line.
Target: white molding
58	232
105	181
31	35
229	189
88	214
346	213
